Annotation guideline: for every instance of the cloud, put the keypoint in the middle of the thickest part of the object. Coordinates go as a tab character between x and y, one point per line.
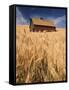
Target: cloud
20	18
59	21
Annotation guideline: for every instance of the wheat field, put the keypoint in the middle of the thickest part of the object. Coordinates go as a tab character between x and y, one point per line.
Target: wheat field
40	56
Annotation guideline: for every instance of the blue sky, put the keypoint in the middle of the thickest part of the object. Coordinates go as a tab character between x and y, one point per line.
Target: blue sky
23	15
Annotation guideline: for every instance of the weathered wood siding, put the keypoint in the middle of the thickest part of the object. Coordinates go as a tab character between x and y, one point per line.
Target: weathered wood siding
42	28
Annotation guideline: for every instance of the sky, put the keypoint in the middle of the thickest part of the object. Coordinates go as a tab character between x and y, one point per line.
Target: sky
23	15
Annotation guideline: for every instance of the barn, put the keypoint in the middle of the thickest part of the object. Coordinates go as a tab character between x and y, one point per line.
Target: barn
40	24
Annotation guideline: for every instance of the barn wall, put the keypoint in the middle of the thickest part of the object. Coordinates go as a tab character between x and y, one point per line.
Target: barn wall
31	25
42	28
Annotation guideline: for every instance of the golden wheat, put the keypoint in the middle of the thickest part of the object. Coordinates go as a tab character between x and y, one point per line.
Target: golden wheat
40	56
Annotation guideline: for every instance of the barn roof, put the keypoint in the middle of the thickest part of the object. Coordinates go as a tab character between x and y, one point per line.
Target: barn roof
43	22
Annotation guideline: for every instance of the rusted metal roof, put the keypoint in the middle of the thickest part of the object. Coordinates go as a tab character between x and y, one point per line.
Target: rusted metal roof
43	22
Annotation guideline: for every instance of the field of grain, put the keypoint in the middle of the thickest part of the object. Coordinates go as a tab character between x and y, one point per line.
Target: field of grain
40	56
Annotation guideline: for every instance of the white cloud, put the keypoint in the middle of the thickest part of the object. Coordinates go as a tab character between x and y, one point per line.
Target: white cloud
19	17
59	20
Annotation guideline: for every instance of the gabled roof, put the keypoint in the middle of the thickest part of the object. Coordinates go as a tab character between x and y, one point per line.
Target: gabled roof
42	22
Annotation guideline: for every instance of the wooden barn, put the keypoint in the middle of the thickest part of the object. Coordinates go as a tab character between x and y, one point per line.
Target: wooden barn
40	24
